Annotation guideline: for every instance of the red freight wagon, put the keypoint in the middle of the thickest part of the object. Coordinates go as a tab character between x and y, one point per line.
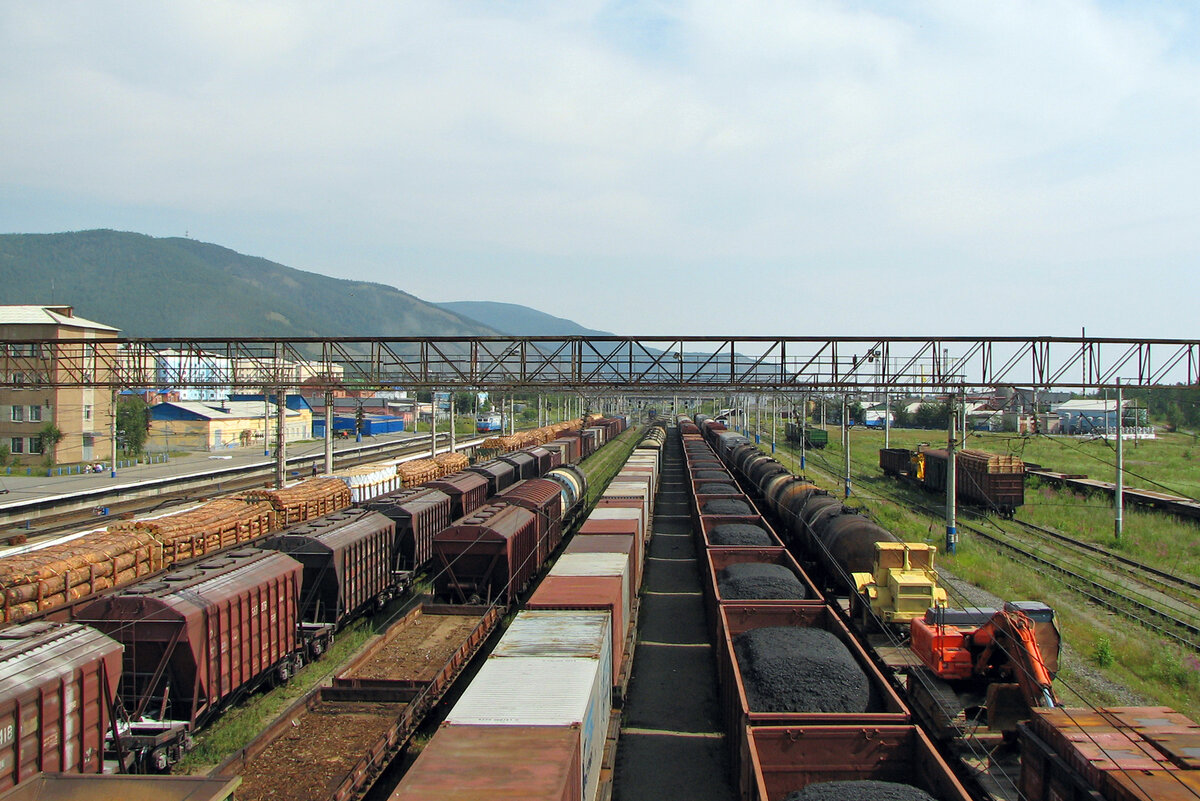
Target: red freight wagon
199	636
525	463
489	555
468	491
348	559
57	685
629	544
543	497
500	475
546	460
419	513
568	446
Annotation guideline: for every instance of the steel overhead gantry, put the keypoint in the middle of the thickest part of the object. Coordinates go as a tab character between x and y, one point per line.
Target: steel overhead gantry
607	363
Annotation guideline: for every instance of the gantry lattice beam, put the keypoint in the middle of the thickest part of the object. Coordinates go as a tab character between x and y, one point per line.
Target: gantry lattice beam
628	364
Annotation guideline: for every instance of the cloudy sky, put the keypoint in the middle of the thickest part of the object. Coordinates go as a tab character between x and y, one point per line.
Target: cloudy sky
750	167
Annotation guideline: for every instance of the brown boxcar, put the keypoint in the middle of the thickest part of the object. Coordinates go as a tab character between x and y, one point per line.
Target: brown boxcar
197	637
525	463
419	513
57	685
543	497
489	555
500	475
546	460
349	563
568	446
468	491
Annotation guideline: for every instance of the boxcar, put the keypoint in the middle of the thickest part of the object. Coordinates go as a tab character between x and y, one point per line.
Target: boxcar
199	637
489	555
543	497
419	513
57	685
467	491
349	560
500	475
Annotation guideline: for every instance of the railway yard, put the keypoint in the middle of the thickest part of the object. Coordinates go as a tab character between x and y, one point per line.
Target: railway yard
565	618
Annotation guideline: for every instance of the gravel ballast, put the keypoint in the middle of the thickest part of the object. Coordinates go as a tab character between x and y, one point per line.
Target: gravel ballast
759	581
795	669
738	534
865	790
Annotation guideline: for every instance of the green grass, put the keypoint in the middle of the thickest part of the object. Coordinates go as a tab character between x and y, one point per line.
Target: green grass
601	466
241	724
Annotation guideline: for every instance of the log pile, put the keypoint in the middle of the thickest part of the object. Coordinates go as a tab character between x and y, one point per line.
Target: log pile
304	501
451	463
218	524
418	471
984	462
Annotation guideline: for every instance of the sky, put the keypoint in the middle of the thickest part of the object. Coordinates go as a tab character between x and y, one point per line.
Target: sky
760	167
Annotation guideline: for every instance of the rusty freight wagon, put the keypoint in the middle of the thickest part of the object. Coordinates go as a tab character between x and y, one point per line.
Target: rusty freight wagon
57	685
490	555
468	491
500	475
543	497
198	638
349	560
419	513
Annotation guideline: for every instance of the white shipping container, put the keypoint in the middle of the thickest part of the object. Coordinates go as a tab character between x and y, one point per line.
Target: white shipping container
558	633
633	489
544	691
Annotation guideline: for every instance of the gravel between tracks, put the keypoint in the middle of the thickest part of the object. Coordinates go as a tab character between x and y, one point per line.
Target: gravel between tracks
759	581
794	669
739	534
867	790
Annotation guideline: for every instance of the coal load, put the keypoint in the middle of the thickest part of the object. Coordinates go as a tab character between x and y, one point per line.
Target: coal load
759	581
795	669
717	489
738	534
703	474
866	790
726	507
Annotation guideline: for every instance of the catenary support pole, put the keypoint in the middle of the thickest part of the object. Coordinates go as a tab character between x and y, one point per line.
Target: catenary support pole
280	446
887	420
803	429
846	442
112	430
329	431
1119	494
774	419
453	421
432	423
951	484
266	423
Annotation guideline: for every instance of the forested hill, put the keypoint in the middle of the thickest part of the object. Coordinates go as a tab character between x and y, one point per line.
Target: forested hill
150	287
518	320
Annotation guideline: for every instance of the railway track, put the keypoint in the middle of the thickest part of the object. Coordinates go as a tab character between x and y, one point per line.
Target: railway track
1164	604
44	526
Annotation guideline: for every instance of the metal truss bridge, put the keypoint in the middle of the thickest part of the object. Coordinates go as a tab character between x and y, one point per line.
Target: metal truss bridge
607	363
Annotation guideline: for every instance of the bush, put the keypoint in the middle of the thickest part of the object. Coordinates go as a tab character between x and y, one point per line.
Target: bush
1103	653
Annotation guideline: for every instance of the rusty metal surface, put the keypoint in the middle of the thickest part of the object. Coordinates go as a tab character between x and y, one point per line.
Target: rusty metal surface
63	787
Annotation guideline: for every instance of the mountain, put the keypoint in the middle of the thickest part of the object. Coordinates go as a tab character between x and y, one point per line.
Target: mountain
156	287
520	321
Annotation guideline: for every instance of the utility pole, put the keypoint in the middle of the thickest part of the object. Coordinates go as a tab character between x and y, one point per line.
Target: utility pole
774	420
846	443
432	423
266	423
280	450
803	429
951	486
453	421
329	431
1119	495
112	428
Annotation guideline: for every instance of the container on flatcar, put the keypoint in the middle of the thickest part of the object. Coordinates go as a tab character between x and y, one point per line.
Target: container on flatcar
467	491
777	760
419	513
349	563
500	475
628	544
557	633
583	581
568	445
242	605
466	763
57	682
542	497
543	691
621	509
488	555
597	527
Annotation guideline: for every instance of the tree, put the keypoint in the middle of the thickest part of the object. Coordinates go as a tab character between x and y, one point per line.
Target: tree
133	424
49	435
5	454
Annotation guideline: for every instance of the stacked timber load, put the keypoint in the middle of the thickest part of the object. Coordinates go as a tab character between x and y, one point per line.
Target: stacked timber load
451	463
984	462
67	571
215	525
418	471
308	499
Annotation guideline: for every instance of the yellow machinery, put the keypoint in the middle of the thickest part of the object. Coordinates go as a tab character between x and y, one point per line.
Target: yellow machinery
903	584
